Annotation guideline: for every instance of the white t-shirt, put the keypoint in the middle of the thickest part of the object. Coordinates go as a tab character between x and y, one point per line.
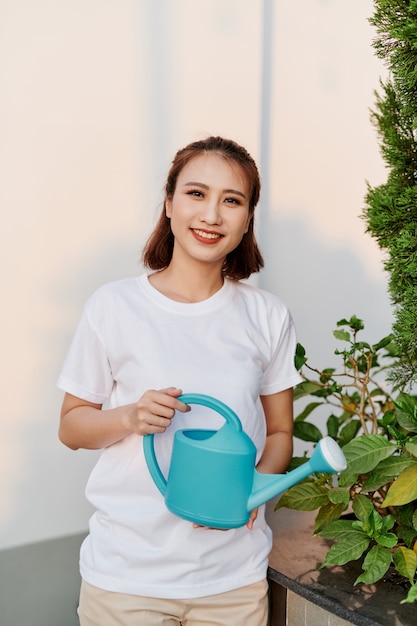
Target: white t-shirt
237	345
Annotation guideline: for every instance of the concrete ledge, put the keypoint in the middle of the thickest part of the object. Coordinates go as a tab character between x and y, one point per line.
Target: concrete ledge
39	583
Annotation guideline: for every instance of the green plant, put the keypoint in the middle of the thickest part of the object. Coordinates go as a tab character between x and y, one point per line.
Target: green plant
378	435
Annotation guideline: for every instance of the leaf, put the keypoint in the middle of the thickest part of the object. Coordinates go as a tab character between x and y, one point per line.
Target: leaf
405	514
388	521
405	562
326	375
347	479
343	335
389	413
396	434
411	446
375	481
355	323
349	549
389	540
341	529
411	595
306	412
338	495
348	432
362	346
382	343
342	322
304	497
375	564
332	426
407	534
406	411
404	489
375	522
385	472
365	452
406	403
307	432
395	464
362	507
300	357
306	388
405	421
327	514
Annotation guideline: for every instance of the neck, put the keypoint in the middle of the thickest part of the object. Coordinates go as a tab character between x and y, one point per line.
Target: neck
187	284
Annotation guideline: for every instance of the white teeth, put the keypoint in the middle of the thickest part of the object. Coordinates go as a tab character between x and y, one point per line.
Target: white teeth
202	233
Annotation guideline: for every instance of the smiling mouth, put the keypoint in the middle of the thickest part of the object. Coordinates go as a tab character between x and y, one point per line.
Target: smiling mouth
209	236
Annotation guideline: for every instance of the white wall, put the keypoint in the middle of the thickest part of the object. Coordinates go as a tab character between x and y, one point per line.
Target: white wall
97	95
324	151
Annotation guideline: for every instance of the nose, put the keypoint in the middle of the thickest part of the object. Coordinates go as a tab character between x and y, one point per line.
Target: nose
210	212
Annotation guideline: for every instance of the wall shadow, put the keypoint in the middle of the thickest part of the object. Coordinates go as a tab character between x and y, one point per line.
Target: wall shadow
321	284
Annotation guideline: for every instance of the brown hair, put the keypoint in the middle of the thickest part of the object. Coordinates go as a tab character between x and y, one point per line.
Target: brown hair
243	260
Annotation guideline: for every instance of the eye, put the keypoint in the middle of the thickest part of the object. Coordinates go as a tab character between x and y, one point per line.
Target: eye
196	193
232	200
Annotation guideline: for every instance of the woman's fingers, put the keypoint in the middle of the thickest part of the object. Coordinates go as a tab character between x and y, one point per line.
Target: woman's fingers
155	409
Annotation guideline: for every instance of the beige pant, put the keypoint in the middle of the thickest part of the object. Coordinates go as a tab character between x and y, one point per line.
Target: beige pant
247	606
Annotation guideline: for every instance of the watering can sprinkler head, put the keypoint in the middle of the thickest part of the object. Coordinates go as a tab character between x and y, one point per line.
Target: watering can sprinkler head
328	452
212	478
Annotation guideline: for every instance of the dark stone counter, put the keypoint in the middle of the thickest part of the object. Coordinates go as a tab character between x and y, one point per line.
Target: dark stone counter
294	564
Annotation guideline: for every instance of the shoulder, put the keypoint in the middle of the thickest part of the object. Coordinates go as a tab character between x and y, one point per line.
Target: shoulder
260	299
113	293
122	287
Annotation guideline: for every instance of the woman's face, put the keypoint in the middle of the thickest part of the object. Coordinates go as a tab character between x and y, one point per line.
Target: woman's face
209	210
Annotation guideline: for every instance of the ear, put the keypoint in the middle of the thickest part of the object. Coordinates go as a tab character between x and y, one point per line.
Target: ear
168	208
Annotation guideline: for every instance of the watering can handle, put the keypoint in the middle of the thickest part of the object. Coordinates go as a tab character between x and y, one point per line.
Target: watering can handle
212	403
188	398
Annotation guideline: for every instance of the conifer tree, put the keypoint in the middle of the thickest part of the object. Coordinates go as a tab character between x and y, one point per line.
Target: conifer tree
391	208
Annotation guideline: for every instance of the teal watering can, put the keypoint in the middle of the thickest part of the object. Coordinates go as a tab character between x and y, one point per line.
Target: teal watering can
212	480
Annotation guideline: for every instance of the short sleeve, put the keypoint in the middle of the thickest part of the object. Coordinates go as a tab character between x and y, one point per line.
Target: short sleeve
86	372
281	372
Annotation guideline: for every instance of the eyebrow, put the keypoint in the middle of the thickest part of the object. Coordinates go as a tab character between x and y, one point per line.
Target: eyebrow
193	184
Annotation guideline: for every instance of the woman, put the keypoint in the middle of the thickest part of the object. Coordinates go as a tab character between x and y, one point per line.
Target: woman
187	326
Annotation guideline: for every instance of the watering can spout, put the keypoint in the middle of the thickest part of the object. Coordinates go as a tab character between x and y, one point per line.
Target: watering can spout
267	486
327	457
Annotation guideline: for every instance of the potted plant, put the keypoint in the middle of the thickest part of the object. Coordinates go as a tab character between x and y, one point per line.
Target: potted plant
369	510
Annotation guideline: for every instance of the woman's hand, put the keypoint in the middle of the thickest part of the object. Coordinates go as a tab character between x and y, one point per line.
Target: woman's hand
84	424
249	524
154	411
252	518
